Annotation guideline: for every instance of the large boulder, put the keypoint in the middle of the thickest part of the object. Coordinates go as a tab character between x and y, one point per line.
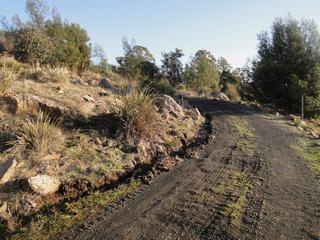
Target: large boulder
48	105
220	96
167	103
44	184
7	169
105	83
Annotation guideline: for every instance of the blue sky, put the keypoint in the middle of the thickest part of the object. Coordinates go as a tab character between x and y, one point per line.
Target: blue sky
227	28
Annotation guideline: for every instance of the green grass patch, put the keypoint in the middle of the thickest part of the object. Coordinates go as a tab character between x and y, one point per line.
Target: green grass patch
242	127
310	151
237	188
246	143
246	146
57	220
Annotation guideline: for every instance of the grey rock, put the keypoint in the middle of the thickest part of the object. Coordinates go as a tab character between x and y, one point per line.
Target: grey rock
44	184
7	169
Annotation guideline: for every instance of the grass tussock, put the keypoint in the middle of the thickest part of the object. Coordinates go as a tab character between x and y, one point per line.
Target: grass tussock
139	114
53	75
7	78
40	133
11	63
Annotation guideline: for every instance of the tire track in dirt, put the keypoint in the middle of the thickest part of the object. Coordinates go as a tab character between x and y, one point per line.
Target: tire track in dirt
225	193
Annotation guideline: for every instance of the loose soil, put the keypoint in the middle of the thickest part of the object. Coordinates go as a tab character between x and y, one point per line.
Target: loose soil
224	192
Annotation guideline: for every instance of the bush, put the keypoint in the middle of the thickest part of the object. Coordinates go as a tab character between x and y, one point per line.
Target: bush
232	93
7	78
11	64
138	114
163	86
48	74
40	133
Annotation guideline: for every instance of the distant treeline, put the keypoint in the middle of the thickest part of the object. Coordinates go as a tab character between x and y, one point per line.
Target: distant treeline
287	65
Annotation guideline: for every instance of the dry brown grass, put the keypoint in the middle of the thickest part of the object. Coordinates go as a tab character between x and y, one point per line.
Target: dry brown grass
11	63
48	74
7	78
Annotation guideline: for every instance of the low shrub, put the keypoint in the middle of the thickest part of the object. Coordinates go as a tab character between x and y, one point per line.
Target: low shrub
7	78
139	114
232	93
40	133
163	86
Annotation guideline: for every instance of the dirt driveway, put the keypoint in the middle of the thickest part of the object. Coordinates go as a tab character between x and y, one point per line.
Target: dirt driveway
246	184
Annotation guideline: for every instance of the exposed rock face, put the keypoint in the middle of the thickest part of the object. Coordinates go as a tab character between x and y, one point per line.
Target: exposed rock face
48	105
14	103
105	83
194	113
220	96
167	103
7	169
44	184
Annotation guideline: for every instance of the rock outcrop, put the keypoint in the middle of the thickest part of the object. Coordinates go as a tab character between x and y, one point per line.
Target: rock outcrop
7	169
167	104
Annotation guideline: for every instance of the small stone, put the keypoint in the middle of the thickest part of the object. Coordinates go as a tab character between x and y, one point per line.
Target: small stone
44	184
51	157
103	93
7	169
88	98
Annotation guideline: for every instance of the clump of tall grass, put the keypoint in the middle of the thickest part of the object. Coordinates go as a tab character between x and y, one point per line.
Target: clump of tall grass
11	63
40	133
49	74
139	114
7	78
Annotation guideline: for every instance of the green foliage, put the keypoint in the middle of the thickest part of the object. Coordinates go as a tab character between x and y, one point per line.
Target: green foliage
137	64
164	86
37	11
202	74
70	43
32	45
139	114
288	65
172	67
